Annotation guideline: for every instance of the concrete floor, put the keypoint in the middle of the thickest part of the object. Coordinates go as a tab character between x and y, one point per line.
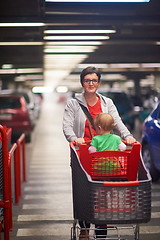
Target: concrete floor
45	210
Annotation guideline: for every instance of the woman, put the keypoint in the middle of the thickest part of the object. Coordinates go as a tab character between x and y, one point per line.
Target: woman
76	126
74	120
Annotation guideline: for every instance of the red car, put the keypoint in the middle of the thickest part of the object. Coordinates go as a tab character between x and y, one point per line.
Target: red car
15	114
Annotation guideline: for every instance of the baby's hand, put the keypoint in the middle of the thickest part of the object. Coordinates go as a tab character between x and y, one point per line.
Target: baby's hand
92	149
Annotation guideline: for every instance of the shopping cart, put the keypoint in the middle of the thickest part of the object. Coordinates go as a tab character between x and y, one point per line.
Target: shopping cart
118	196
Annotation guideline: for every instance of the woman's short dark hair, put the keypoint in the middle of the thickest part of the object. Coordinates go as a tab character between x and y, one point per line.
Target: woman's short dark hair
89	70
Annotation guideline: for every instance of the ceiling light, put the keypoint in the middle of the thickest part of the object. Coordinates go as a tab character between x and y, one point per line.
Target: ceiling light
74	43
97	0
63	61
112	65
36	24
78	31
6	66
71	49
150	65
41	89
67	51
7	71
20	70
20	43
69	23
33	77
124	65
76	37
98	65
121	65
62	89
64	56
29	70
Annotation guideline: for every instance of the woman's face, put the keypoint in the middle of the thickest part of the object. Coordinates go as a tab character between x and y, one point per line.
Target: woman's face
91	83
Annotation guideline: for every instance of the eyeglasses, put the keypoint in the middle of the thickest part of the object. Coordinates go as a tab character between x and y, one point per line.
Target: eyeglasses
94	81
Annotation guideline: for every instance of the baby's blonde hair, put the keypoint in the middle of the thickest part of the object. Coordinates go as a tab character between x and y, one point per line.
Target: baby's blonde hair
105	121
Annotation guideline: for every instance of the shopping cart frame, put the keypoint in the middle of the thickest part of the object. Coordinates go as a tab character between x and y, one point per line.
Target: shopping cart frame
84	190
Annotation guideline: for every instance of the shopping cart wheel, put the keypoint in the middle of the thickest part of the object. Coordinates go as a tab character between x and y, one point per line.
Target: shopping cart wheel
73	234
73	231
136	233
73	237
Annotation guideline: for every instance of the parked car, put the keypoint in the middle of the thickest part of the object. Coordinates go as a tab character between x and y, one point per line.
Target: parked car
30	100
124	105
151	143
15	114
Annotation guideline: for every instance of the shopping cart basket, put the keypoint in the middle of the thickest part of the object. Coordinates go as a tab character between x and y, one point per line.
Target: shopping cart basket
111	164
109	200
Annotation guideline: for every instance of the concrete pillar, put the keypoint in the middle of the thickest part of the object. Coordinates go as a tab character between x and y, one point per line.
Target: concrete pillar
157	80
137	88
7	82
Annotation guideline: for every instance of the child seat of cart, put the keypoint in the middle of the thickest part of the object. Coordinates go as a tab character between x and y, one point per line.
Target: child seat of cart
111	165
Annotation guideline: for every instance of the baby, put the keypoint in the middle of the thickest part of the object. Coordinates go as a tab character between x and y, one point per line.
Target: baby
104	140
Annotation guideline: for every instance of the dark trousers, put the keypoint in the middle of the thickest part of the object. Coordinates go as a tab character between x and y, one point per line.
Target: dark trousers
100	231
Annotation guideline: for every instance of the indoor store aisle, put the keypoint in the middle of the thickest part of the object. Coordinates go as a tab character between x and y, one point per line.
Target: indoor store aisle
45	210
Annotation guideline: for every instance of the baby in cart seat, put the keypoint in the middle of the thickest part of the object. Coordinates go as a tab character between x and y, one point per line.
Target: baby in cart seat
104	124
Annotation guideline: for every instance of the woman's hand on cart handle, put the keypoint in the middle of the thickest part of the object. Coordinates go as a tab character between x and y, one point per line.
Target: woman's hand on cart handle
130	140
79	141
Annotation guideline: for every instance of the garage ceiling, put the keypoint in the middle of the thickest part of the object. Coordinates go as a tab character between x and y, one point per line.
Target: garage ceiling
133	48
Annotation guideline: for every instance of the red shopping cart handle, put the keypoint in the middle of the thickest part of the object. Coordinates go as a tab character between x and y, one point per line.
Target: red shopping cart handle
125	142
89	141
121	184
73	143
